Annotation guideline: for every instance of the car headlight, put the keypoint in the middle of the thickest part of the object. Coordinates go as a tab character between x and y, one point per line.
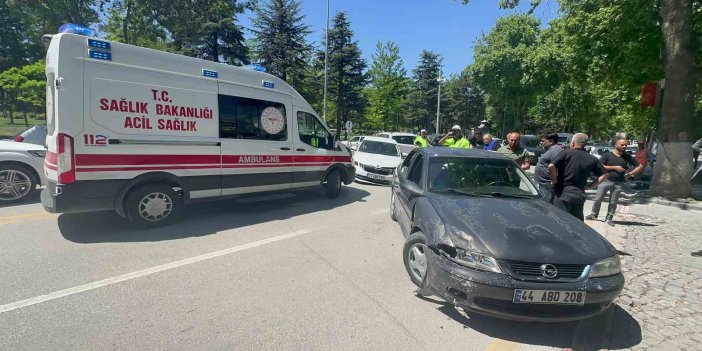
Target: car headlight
606	267
472	259
37	153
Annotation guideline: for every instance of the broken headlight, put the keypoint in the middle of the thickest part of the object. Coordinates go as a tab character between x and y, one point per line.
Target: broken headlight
471	259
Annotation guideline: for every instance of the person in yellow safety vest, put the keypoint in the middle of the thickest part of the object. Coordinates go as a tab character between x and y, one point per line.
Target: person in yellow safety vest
455	139
421	139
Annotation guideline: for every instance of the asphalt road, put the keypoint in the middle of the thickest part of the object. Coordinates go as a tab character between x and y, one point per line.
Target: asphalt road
293	272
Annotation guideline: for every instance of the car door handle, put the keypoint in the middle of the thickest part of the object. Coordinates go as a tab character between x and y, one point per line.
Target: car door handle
285	148
300	150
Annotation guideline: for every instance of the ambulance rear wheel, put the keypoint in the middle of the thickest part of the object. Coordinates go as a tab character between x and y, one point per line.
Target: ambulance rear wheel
332	184
153	205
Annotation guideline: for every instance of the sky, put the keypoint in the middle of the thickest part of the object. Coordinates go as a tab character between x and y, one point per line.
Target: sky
446	27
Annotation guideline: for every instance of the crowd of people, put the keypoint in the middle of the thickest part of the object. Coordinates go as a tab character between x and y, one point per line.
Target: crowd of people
562	171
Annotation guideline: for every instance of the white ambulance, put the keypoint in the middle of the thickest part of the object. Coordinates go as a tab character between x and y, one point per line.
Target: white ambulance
146	132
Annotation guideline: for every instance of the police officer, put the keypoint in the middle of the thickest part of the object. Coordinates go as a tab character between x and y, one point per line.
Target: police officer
454	138
421	139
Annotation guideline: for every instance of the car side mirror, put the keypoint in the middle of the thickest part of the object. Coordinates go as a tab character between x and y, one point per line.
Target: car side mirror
404	154
412	189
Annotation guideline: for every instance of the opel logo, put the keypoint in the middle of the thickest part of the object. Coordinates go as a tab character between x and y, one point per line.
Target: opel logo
548	270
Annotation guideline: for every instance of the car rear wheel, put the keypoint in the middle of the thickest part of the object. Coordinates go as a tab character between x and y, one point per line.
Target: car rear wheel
415	257
153	205
332	185
16	183
393	216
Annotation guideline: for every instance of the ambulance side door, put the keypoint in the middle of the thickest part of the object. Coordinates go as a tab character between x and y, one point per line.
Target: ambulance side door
256	143
314	149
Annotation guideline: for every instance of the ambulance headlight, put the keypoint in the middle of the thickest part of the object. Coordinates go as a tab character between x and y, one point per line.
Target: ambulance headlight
76	29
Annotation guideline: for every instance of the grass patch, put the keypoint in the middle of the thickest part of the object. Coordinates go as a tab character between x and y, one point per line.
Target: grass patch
8	130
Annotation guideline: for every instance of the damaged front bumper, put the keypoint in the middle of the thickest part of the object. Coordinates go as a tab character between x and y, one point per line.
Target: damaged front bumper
491	293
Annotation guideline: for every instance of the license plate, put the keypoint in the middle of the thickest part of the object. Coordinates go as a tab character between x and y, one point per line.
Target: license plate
374	176
549	297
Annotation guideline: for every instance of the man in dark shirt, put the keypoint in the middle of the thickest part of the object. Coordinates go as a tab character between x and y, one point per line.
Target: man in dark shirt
616	163
570	175
553	153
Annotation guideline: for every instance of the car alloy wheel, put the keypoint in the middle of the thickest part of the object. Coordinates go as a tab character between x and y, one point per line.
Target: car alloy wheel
417	261
14	185
155	207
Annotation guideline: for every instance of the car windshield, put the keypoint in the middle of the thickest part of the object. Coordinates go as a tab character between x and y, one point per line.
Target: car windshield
379	147
404	139
531	141
479	176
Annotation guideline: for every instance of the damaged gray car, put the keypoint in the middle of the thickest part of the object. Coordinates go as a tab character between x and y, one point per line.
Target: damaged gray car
480	236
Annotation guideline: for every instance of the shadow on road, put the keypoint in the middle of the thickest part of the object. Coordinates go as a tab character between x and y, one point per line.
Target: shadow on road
202	219
33	198
589	334
635	223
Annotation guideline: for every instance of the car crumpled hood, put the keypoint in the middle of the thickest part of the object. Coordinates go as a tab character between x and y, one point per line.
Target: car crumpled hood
528	230
377	160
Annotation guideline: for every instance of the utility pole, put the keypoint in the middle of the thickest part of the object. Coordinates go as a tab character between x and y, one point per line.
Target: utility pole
438	102
326	54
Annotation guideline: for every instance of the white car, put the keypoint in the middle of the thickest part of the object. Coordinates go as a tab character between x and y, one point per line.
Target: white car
21	170
405	141
354	142
34	135
376	160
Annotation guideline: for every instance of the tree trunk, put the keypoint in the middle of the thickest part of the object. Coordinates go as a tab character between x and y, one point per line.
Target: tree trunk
26	122
673	168
125	23
215	47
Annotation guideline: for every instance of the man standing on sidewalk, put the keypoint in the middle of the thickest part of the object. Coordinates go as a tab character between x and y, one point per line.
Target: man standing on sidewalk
616	163
570	175
548	159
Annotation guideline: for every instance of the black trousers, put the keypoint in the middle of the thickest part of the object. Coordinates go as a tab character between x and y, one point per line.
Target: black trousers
572	200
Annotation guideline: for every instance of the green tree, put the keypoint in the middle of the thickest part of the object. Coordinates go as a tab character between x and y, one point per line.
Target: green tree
280	43
207	29
388	87
136	23
23	90
345	71
464	102
422	97
501	65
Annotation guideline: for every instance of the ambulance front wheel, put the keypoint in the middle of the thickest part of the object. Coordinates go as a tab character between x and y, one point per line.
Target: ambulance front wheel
153	205
332	184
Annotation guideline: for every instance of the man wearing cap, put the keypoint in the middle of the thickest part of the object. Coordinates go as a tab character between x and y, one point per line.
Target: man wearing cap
421	139
454	138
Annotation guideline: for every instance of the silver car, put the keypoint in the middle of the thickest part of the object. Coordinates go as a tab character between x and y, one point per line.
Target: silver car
21	170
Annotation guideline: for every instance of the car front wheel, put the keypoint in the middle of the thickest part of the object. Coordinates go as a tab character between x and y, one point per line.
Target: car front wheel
153	205
415	257
16	183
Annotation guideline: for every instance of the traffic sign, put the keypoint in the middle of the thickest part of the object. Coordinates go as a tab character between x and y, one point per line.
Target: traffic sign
349	126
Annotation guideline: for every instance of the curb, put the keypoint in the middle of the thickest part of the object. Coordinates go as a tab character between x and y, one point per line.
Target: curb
683	205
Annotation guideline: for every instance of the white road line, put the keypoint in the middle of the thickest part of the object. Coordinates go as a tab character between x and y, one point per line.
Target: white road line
144	272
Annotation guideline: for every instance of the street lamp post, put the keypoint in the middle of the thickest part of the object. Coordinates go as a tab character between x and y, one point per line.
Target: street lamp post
326	53
438	102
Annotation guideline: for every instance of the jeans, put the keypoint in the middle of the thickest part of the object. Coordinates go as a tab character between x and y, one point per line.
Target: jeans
572	200
614	189
546	190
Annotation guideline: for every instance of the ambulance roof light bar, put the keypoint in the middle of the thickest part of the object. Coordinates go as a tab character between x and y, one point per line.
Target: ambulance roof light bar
76	29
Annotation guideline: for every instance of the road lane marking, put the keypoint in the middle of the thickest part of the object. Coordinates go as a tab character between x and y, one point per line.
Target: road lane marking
502	345
36	216
144	272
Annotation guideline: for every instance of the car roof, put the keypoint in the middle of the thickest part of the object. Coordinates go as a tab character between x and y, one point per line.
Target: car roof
459	152
402	134
380	139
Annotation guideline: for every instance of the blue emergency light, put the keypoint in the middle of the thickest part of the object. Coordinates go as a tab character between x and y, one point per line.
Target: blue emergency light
258	67
99	44
76	29
208	73
100	55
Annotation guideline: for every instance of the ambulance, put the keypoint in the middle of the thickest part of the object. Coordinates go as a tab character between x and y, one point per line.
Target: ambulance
145	132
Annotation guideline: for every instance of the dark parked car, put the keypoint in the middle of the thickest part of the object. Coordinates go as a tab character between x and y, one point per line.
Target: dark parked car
532	143
479	235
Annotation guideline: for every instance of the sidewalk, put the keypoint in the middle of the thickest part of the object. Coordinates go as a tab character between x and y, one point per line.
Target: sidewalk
661	249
